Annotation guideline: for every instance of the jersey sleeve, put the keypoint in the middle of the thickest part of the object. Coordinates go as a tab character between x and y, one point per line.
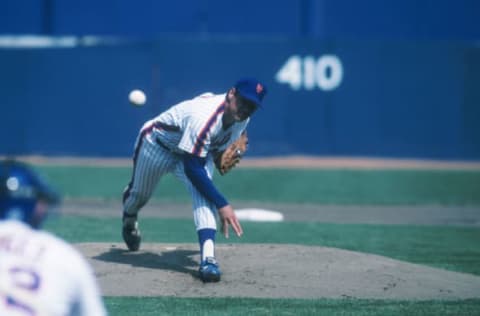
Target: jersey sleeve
195	171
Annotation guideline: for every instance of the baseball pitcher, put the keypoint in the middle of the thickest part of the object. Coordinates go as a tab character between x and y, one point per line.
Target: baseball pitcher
189	140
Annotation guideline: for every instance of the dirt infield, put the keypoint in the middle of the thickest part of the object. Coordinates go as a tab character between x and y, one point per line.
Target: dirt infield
271	271
350	214
276	271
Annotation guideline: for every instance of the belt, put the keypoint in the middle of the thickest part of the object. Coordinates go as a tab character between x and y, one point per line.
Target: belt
166	127
161	144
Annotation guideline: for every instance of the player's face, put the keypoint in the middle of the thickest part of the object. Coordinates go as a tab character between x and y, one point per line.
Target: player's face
242	108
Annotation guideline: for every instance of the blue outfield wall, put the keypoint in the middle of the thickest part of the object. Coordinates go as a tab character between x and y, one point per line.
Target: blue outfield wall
319	19
343	98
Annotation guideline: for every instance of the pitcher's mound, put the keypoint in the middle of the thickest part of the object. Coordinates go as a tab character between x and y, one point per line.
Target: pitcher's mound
271	271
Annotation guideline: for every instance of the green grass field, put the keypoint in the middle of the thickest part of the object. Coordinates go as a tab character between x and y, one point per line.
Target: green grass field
321	307
453	248
337	186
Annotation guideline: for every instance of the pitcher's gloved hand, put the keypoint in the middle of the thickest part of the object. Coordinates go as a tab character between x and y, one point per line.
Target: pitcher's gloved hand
230	157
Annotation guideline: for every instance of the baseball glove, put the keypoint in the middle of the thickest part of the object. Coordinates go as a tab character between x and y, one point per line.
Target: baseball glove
229	158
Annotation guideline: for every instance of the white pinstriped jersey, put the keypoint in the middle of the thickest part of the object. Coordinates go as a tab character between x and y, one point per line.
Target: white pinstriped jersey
41	274
195	126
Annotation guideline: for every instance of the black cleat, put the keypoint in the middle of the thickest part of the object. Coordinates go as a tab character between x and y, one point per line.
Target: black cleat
131	233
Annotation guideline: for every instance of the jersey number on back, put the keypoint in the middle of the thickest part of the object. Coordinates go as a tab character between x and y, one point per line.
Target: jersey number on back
18	286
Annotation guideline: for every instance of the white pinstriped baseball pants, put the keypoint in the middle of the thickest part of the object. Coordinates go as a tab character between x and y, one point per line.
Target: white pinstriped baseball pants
151	162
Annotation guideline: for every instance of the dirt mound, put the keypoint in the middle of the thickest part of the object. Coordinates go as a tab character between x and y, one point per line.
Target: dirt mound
271	271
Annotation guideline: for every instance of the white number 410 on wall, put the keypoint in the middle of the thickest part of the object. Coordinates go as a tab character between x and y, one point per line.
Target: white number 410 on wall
324	73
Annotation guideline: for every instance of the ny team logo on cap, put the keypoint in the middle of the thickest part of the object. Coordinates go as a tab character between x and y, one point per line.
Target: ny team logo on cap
251	89
259	88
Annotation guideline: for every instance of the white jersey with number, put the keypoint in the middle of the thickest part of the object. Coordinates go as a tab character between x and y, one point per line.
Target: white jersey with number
41	274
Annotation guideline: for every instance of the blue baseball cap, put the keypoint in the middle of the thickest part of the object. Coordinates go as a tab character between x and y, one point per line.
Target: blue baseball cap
252	90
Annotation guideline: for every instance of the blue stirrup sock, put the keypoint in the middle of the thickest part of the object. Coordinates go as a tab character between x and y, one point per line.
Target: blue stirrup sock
206	238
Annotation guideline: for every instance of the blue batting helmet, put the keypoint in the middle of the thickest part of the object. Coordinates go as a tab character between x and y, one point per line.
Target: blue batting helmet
21	190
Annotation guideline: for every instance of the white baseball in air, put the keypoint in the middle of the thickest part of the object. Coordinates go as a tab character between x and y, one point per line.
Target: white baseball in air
137	97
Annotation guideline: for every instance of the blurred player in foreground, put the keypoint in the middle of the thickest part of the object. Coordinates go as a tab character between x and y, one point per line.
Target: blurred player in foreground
40	274
187	140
